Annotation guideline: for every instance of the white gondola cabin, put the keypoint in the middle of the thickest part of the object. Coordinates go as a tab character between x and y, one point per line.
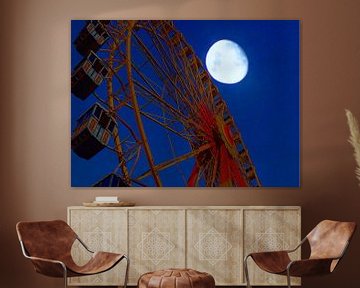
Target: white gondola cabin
92	36
87	76
92	132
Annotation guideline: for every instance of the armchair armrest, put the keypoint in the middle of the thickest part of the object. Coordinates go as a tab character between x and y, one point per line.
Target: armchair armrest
298	246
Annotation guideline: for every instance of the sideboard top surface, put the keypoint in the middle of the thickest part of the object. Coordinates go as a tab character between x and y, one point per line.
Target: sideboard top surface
193	207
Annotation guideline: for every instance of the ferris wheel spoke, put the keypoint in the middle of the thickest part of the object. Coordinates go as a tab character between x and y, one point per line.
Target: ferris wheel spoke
117	33
169	163
165	75
129	128
151	59
190	73
146	80
215	169
181	63
161	124
159	99
163	58
163	118
120	65
134	101
194	70
131	154
116	30
167	58
152	101
98	98
138	153
153	92
178	167
177	66
111	105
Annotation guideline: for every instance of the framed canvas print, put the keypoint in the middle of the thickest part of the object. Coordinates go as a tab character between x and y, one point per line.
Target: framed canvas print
185	103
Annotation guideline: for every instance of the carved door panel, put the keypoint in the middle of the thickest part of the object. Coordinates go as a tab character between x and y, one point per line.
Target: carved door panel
214	244
101	230
156	240
269	230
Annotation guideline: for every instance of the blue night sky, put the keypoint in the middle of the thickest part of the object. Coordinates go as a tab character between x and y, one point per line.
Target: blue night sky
265	104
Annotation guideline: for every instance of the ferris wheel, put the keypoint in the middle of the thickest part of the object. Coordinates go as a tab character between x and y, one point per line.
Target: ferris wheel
156	108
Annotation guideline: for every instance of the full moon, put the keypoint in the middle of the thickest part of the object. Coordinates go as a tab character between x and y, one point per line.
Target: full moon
226	61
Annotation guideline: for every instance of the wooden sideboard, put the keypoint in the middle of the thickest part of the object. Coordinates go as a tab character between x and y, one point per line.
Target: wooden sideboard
212	239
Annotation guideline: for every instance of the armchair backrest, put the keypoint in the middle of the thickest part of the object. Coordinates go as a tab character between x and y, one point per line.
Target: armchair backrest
46	239
329	239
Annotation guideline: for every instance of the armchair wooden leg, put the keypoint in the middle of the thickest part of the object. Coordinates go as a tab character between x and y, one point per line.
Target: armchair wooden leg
246	270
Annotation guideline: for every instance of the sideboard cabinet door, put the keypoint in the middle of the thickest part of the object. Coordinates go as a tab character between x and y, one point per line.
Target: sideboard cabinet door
101	230
214	244
269	230
156	240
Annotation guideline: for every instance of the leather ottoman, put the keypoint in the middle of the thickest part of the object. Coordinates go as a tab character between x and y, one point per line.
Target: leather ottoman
176	278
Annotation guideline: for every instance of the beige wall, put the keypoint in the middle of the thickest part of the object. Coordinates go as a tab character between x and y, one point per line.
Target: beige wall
35	117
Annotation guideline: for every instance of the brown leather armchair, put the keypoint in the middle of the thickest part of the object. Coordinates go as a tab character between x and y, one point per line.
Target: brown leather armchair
48	245
328	242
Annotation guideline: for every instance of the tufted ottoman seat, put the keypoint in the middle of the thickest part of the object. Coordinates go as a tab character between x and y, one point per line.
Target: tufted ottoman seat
176	278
